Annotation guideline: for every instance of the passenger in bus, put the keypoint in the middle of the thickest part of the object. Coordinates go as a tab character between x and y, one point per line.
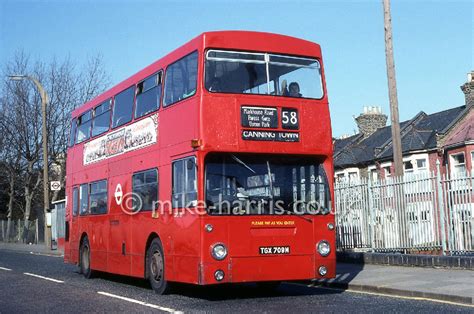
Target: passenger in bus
294	90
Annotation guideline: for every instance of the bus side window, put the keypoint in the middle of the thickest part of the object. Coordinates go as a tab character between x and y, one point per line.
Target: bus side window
98	197
84	199
145	185
184	183
72	134
148	95
84	127
123	107
181	79
75	201
101	119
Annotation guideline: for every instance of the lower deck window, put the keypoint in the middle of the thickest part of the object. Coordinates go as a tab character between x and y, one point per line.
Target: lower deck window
75	201
98	197
84	199
145	188
184	183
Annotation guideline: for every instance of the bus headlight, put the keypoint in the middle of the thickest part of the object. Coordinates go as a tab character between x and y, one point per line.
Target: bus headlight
324	248
219	251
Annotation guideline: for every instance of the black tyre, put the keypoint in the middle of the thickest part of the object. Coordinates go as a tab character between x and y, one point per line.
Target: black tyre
85	259
155	267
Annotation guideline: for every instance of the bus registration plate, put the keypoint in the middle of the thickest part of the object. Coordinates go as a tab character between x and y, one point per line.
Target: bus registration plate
268	250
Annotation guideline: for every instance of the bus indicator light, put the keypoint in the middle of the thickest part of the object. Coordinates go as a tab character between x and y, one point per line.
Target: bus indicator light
196	143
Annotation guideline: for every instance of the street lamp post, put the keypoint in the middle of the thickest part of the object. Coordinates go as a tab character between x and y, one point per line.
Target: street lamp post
44	102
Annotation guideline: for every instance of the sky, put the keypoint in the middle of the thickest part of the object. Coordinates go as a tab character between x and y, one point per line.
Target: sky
433	42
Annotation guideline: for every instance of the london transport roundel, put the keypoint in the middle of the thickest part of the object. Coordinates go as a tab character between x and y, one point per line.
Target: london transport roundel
118	194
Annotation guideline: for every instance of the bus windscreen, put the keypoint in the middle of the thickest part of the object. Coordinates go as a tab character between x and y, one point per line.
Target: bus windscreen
262	73
242	184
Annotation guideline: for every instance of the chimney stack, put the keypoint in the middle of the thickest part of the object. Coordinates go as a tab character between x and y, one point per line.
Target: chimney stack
468	89
370	120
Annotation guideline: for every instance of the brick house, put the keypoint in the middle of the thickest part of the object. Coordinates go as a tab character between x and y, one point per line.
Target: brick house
447	136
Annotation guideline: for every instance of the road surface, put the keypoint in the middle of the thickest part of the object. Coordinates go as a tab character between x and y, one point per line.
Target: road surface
39	283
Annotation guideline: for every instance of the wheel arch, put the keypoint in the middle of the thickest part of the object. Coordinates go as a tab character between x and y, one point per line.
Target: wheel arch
150	239
83	236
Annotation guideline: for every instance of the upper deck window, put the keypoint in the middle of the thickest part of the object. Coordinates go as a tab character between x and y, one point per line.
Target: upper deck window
101	120
262	73
83	127
72	134
181	79
123	107
148	95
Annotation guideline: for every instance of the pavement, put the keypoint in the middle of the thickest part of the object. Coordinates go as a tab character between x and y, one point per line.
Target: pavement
375	286
452	285
30	248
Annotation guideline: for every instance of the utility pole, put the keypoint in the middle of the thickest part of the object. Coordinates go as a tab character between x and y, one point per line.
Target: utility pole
392	91
44	103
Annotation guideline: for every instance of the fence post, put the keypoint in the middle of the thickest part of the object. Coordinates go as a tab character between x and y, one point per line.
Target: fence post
439	184
371	215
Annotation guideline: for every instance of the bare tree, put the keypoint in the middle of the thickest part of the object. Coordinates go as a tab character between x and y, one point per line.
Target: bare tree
20	121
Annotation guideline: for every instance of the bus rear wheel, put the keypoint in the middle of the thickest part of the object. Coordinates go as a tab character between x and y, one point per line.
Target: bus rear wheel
155	263
85	256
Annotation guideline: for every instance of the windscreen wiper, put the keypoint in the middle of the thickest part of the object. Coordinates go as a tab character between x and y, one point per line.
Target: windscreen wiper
242	163
289	212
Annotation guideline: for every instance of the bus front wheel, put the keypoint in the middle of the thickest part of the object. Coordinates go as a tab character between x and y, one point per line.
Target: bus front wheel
155	263
85	262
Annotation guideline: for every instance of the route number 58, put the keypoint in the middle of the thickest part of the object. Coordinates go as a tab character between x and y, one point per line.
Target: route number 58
289	119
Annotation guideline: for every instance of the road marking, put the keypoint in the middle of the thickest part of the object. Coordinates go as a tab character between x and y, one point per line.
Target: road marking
45	278
4	268
166	309
394	296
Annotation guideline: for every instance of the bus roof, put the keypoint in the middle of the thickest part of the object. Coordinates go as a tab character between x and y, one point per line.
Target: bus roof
237	40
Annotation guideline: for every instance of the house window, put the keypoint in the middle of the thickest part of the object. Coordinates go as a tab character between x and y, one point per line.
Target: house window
408	166
421	164
388	171
458	164
353	176
472	160
374	175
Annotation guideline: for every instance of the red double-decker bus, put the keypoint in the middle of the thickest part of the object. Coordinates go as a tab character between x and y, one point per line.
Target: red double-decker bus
211	165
